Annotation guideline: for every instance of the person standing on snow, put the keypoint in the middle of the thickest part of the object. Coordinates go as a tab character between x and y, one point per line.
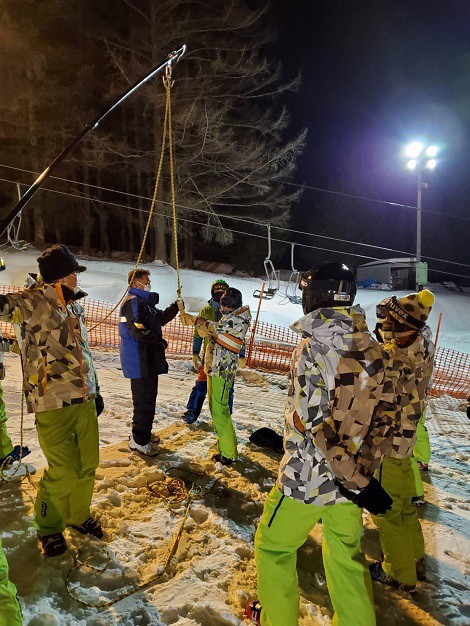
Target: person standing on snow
142	353
225	340
61	388
331	442
407	339
198	394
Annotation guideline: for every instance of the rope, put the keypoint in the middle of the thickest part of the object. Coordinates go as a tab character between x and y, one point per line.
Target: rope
166	125
167	81
177	492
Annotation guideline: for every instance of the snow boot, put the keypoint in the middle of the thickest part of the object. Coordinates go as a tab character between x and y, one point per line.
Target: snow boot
223	459
15	455
90	527
253	612
189	417
380	575
421	569
149	449
53	545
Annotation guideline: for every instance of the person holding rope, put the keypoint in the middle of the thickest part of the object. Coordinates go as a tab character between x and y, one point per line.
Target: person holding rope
225	339
61	388
142	353
199	391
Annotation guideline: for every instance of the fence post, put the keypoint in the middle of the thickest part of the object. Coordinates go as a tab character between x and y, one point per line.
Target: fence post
250	345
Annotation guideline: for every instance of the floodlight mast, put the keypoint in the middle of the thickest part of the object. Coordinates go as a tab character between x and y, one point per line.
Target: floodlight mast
173	58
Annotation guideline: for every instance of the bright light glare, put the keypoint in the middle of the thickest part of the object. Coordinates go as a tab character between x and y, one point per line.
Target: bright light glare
432	151
411	165
414	149
431	164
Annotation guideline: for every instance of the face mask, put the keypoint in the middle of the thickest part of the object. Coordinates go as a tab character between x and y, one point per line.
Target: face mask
144	287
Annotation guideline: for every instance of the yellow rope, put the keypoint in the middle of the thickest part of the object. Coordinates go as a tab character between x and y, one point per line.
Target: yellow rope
166	130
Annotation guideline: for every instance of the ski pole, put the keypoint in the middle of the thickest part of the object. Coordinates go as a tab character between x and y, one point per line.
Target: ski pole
173	57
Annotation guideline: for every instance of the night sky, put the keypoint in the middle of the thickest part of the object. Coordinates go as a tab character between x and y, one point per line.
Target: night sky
375	75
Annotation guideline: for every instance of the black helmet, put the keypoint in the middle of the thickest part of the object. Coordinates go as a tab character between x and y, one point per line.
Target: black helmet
232	299
328	285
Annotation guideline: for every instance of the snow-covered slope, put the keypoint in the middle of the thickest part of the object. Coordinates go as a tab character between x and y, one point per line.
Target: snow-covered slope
107	280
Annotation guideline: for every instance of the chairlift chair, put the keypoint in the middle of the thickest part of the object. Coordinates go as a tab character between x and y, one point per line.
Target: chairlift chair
293	283
272	275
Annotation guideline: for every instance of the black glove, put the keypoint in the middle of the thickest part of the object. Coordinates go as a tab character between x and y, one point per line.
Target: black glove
373	498
99	403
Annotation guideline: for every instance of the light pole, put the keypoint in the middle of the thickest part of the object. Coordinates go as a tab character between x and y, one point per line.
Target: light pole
420	158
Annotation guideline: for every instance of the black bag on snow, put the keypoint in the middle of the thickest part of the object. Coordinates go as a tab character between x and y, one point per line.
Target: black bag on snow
267	438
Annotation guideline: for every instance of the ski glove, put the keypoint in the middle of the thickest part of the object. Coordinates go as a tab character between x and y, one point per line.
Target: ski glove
196	362
242	363
99	403
373	498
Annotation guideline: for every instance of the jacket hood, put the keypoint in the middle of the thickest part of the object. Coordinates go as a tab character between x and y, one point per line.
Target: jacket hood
334	326
152	297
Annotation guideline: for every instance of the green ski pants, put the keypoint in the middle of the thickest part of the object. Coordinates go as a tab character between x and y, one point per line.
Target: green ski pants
422	449
400	532
6	445
283	529
69	440
218	393
10	612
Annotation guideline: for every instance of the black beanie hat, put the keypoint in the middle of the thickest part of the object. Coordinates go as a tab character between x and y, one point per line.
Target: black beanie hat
232	299
57	262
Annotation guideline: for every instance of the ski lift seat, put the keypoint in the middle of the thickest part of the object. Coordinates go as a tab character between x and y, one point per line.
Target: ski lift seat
268	294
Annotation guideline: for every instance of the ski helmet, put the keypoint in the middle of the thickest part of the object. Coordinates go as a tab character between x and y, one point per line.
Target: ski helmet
218	287
328	285
231	299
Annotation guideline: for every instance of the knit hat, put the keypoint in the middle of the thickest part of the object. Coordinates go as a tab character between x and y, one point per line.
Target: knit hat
57	262
412	310
218	286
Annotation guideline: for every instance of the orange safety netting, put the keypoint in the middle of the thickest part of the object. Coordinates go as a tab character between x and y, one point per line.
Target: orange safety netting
270	349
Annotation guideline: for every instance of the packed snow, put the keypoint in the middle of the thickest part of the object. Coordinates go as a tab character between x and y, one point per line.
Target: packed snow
212	575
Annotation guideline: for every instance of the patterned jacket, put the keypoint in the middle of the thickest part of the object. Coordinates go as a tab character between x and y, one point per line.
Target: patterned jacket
226	341
416	363
57	366
337	377
209	312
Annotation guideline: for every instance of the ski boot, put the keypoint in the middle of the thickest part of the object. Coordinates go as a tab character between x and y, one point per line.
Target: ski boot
219	458
421	569
90	527
253	612
380	575
53	545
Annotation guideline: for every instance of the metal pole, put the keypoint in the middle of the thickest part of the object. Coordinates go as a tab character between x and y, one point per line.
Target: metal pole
418	225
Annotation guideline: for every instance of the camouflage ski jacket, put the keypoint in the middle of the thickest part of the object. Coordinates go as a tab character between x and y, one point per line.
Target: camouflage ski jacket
57	366
226	340
336	381
416	364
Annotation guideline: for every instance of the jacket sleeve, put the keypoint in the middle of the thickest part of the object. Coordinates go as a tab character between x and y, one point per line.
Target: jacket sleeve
205	328
135	327
168	314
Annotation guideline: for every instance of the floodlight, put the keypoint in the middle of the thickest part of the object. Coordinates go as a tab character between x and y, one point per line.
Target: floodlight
411	165
414	149
432	151
431	164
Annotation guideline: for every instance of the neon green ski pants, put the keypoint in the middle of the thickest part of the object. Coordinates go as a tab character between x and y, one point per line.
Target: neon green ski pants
422	449
400	531
283	529
69	440
6	445
10	612
218	392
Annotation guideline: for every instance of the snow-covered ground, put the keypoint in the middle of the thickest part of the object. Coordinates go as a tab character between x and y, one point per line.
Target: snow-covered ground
213	573
107	280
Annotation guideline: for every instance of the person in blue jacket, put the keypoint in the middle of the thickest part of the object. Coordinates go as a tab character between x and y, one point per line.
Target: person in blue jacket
199	391
142	352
